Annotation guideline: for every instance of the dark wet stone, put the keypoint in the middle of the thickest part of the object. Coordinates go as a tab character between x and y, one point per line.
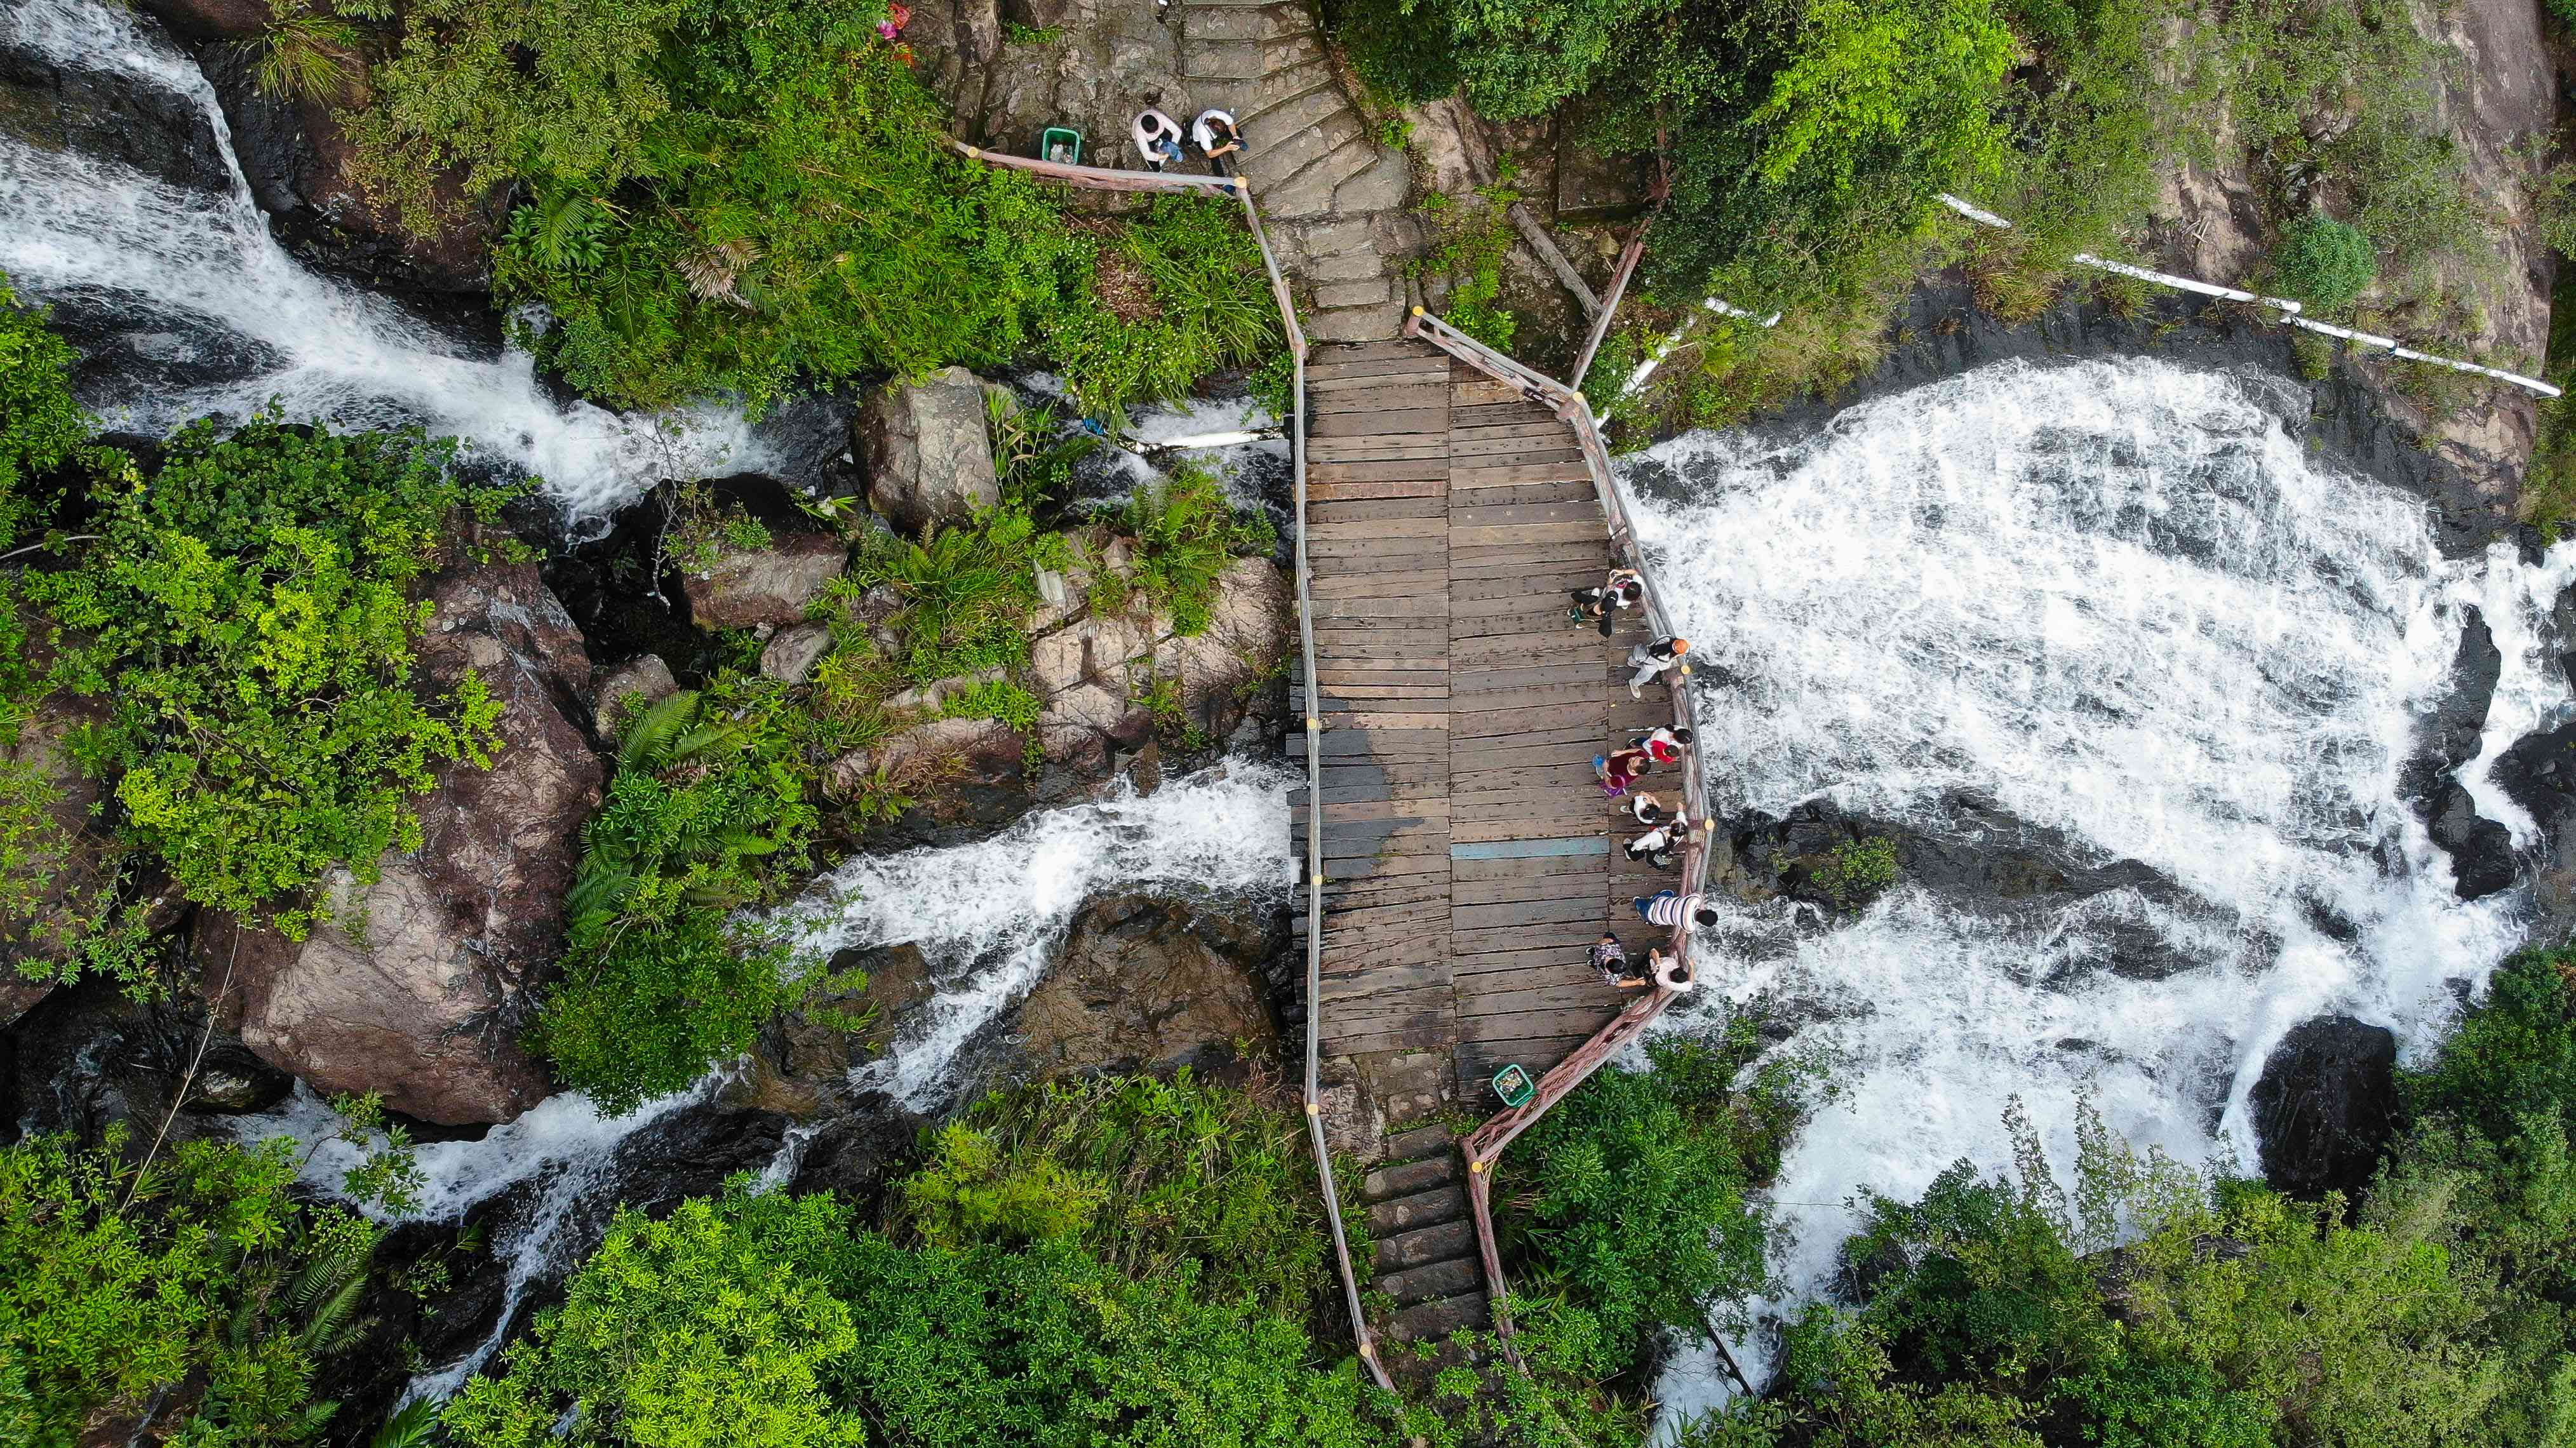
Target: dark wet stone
2325	1106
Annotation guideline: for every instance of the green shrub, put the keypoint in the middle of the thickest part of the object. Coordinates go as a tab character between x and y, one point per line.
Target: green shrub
41	427
116	1284
1148	1176
246	622
1475	236
1858	869
661	980
1637	1208
1211	307
1187	535
2324	262
1401	51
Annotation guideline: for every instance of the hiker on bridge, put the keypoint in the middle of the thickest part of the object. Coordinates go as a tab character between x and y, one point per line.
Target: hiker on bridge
1218	137
1655	845
1650	661
1670	971
1610	958
1624	588
1670	908
1158	138
1620	769
1665	745
1645	809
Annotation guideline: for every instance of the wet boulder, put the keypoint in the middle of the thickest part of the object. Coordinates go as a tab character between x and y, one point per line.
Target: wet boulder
2481	850
764	587
213	19
2325	1106
1148	983
416	987
2539	773
618	694
929	459
112	115
303	171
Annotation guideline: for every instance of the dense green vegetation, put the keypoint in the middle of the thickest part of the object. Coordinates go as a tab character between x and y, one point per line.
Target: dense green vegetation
117	1283
2154	1305
756	197
2324	262
1807	141
228	642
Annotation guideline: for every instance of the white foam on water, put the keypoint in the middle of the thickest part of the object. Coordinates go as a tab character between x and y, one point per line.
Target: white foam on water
988	916
2119	601
76	224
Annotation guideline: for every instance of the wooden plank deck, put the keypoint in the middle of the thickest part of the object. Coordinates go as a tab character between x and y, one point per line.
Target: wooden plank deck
1471	858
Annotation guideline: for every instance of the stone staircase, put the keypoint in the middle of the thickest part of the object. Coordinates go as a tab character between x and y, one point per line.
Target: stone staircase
1334	199
1426	1240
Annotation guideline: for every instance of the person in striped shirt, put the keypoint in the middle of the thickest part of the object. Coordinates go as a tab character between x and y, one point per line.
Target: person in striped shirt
1671	907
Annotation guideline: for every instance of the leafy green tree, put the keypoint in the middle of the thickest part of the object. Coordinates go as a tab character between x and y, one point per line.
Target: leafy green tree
117	1282
1905	89
246	622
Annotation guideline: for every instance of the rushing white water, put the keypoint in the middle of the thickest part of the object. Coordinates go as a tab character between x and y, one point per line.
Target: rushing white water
205	266
988	916
2115	601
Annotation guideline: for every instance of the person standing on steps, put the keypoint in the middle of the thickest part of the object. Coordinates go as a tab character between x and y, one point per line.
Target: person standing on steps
1670	908
1651	659
1218	137
1157	137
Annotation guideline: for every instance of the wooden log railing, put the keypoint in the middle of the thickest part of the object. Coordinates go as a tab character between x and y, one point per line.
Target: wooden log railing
1100	178
1486	1143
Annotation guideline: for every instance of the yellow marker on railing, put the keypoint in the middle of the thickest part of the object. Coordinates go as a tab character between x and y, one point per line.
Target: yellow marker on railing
1417	311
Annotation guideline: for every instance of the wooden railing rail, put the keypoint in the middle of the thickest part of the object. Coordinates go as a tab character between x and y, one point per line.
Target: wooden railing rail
1101	178
1486	1143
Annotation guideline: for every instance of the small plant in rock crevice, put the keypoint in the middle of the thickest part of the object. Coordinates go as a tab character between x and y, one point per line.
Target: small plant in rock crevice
1855	870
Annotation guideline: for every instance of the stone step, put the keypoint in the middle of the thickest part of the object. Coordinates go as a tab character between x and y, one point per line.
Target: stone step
1346	266
1389	1182
1240	22
1250	99
1384	186
1275	156
1454	1278
1310	107
1439	1318
1310	192
1417	1141
1422	1209
1426	1245
1356	324
1246	59
1365	292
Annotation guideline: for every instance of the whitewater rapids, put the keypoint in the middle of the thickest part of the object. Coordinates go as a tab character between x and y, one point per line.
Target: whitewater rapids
2116	601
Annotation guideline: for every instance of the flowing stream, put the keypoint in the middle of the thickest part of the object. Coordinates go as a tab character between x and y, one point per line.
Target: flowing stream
987	916
2096	613
195	283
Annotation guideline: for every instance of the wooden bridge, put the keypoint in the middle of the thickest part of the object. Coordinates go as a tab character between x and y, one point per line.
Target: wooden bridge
1460	857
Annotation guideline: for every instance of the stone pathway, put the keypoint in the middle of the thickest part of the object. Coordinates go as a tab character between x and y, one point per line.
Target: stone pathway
1334	199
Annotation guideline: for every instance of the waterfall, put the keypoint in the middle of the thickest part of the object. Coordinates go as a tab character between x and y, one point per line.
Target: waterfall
2101	613
193	277
989	916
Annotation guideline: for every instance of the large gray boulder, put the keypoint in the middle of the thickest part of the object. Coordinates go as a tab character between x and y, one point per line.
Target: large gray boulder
928	457
618	694
1146	983
417	986
764	587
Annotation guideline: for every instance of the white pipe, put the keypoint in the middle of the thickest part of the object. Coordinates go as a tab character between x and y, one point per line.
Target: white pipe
2185	283
1975	214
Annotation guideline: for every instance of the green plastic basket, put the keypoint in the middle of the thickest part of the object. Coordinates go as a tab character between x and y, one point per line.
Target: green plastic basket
1061	144
1514	1085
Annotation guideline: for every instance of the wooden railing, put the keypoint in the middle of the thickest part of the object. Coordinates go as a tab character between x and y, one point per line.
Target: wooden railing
1486	1143
1100	178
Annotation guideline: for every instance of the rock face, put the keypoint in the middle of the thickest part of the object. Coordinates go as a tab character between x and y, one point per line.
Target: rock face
416	987
302	170
767	587
115	117
212	19
928	457
2481	850
2325	1106
1146	983
2539	773
2210	224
